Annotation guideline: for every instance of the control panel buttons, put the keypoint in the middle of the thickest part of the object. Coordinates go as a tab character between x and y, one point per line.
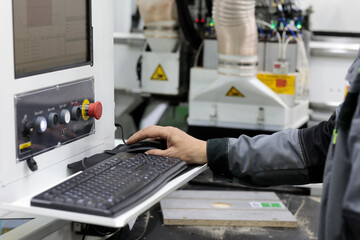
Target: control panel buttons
40	124
53	120
50	117
95	110
76	113
65	116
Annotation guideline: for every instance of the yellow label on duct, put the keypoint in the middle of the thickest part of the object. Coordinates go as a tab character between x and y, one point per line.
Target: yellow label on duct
284	84
159	74
233	92
24	145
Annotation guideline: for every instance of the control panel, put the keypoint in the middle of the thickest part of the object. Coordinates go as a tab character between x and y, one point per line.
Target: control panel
50	117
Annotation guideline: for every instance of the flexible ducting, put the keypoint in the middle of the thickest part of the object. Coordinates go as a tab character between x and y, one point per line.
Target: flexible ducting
161	27
157	10
236	34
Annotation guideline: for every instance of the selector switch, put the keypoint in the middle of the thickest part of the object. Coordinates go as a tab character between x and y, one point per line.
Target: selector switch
65	116
29	129
76	113
40	124
53	120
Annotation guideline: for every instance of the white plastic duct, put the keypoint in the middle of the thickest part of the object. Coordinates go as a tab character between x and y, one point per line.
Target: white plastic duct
161	22
237	36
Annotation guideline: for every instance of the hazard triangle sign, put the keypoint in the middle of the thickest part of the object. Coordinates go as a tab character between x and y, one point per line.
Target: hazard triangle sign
159	74
233	92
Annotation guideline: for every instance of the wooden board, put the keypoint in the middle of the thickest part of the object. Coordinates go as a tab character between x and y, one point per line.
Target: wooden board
226	208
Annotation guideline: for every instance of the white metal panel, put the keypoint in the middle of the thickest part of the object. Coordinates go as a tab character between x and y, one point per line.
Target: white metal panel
169	63
209	105
16	179
127	50
333	15
328	84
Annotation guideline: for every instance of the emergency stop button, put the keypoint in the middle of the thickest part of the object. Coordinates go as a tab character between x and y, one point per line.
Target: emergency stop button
95	110
91	110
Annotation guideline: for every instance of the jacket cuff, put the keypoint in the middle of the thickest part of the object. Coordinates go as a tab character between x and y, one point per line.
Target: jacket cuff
216	151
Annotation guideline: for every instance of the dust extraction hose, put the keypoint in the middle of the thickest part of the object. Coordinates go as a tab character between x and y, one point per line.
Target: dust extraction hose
236	33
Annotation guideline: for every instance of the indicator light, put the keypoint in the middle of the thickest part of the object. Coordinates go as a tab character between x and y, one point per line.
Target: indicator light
40	124
273	24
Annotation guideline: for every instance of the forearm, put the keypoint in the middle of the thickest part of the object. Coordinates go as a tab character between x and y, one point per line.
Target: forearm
286	157
263	160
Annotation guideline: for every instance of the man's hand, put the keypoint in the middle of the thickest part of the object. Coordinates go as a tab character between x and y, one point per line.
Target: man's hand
179	144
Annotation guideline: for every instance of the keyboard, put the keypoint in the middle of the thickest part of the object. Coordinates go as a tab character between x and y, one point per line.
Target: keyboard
112	186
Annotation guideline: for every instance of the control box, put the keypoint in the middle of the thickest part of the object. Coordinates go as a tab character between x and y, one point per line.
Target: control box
54	116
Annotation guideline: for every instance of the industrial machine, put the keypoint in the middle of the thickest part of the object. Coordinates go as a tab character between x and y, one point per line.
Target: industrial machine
160	63
56	90
260	79
58	95
249	67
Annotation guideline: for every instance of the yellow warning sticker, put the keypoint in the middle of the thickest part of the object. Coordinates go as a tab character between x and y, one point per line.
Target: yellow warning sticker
24	146
284	84
233	92
159	74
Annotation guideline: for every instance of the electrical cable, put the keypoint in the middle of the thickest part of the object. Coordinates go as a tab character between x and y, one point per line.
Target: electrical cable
261	22
32	164
282	17
286	43
108	231
260	30
305	65
186	24
138	230
85	231
122	132
209	5
197	55
147	217
138	69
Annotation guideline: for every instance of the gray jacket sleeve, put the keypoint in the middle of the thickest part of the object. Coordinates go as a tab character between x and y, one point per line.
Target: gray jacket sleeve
286	157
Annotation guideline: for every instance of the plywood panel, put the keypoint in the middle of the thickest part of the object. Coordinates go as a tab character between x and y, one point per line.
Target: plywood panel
230	208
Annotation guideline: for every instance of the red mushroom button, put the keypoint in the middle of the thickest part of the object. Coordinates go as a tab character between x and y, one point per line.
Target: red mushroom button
95	110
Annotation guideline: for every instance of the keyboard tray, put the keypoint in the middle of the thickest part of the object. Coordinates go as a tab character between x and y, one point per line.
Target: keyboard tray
112	186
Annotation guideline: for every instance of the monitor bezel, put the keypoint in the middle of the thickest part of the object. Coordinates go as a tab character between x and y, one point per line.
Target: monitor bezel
89	56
